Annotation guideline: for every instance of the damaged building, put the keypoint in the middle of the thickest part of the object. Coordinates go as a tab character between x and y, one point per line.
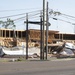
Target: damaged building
10	38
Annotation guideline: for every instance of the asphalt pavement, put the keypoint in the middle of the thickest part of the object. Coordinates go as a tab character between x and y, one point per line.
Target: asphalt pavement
38	67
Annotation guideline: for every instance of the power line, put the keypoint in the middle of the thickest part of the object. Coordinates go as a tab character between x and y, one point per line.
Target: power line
17	9
55	13
62	20
19	14
30	16
67	15
72	19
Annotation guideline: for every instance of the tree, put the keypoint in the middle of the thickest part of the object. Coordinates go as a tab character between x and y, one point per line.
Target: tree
55	13
9	24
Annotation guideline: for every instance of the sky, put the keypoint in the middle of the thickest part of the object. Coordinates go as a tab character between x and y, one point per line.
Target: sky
16	7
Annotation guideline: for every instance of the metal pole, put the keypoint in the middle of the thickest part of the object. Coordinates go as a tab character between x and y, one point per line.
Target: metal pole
27	36
41	48
46	30
43	26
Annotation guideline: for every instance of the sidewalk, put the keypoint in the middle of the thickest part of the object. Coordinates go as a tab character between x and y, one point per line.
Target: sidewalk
34	59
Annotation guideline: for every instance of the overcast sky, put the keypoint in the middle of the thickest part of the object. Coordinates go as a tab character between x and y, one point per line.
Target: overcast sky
14	7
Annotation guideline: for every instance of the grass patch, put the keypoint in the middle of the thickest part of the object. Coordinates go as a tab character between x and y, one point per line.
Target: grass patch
21	59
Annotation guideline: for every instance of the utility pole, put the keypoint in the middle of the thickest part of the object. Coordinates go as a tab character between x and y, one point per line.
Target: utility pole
41	40
43	34
47	30
27	36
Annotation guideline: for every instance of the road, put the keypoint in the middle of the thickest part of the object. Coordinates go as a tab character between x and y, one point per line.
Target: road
58	67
